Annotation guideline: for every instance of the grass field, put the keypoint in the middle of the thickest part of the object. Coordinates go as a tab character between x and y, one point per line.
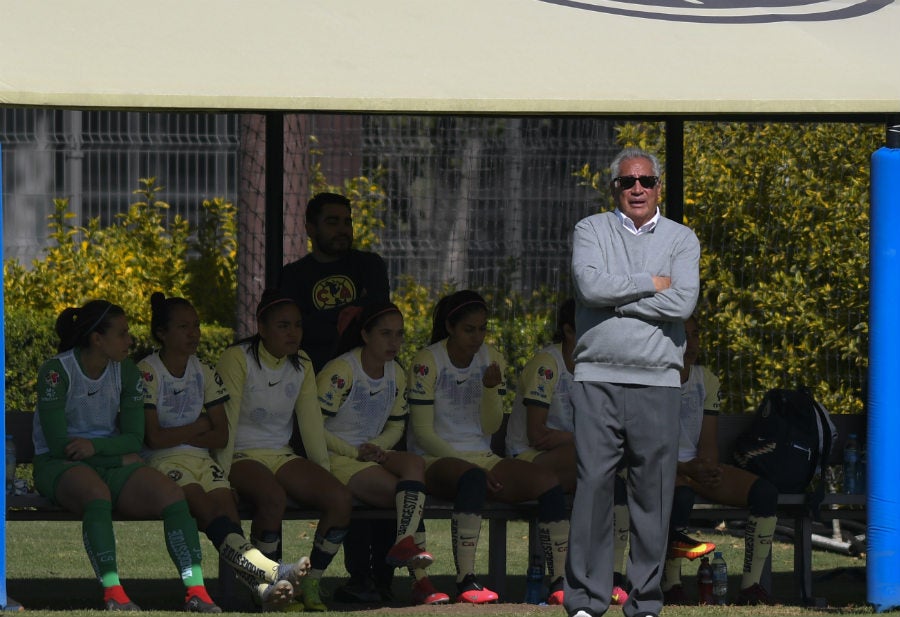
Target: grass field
48	572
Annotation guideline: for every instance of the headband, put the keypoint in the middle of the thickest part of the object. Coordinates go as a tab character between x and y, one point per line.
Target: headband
390	309
456	308
99	319
262	309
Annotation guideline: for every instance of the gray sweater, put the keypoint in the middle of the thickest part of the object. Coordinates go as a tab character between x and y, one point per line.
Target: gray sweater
627	332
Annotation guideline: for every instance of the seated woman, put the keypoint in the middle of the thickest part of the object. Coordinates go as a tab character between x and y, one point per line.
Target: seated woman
269	382
88	431
363	396
699	472
456	390
184	416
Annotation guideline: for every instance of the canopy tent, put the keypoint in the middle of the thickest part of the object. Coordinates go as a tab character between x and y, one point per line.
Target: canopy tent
766	59
509	56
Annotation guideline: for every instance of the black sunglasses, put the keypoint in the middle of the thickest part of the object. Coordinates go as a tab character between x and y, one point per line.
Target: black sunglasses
626	182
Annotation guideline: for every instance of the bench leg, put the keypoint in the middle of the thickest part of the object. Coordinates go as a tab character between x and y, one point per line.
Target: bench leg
803	560
497	556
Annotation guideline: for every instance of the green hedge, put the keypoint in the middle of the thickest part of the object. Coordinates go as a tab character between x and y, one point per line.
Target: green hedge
31	340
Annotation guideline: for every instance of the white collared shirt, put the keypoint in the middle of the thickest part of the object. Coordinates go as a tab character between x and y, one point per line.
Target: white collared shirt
628	224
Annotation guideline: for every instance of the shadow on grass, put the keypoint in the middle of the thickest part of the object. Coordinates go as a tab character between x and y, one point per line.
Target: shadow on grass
842	587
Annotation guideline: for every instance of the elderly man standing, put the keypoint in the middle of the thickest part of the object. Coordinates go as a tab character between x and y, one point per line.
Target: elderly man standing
637	280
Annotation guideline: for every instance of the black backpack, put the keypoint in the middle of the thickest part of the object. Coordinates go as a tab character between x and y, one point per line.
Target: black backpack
788	443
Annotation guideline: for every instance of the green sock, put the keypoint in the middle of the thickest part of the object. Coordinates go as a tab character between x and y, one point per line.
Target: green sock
183	542
100	541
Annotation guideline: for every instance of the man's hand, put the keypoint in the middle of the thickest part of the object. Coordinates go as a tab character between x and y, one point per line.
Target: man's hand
662	283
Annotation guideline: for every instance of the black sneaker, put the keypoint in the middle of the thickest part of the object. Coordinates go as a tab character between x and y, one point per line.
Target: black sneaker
471	592
683	546
129	607
196	604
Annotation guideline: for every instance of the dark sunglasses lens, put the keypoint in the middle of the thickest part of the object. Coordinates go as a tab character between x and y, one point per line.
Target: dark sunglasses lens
626	182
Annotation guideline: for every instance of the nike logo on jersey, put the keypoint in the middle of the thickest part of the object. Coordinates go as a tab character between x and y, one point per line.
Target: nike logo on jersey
93	393
459	383
272	384
177	392
374	392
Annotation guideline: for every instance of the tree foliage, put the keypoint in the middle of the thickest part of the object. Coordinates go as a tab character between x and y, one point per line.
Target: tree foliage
782	213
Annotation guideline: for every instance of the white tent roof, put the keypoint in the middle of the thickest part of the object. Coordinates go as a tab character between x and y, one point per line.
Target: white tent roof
514	56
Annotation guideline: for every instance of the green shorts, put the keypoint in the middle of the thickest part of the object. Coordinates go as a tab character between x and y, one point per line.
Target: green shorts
192	468
48	472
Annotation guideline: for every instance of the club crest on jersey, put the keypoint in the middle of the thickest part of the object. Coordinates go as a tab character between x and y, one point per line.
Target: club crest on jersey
337	381
420	370
546	373
147	375
333	291
52	378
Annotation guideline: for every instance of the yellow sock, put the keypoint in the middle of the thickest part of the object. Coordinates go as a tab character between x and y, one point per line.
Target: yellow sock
241	554
410	505
621	524
757	547
465	527
554	537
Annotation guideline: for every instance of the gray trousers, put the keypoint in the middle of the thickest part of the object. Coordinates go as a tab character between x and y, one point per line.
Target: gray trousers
637	425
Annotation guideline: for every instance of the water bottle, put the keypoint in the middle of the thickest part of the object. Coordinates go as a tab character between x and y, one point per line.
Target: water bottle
719	579
705	582
851	465
10	465
534	585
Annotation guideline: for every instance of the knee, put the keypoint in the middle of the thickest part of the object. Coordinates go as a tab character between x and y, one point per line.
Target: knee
552	504
471	490
341	500
762	498
271	502
414	468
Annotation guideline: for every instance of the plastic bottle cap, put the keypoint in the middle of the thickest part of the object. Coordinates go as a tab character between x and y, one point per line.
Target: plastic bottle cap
718	554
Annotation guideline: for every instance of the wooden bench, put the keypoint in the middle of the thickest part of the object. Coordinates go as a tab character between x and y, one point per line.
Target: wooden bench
792	506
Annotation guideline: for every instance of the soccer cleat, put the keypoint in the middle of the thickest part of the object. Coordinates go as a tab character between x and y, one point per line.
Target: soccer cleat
423	592
618	596
407	553
556	595
275	597
755	595
675	596
683	546
311	598
471	592
293	572
128	606
196	604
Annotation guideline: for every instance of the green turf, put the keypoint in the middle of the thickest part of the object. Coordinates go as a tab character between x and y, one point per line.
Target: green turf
48	572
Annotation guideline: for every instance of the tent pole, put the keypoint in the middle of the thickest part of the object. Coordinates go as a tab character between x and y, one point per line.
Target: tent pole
675	169
274	196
